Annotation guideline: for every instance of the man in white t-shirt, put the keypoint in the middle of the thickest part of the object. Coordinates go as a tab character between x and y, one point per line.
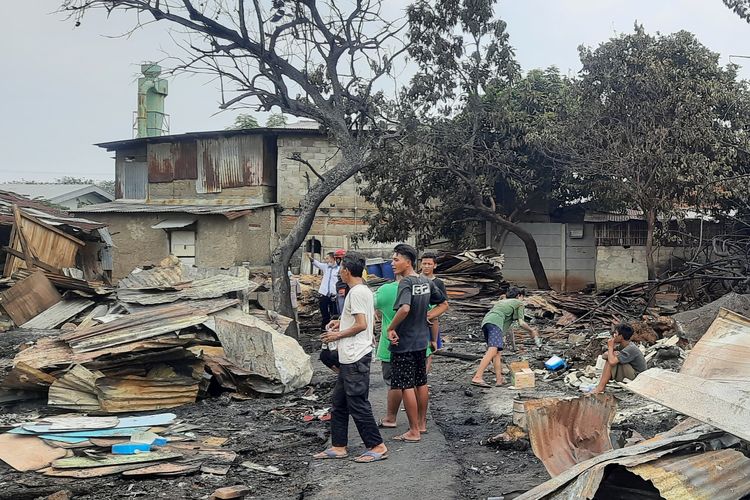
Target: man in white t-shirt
353	333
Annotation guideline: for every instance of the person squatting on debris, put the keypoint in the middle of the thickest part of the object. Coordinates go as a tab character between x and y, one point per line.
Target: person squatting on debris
353	333
409	334
626	363
428	264
494	324
327	288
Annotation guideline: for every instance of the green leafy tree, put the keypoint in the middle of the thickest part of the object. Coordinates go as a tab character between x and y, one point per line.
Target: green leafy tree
740	7
658	119
244	121
276	120
467	159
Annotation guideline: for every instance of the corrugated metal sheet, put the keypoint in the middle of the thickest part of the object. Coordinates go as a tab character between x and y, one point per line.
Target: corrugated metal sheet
714	475
229	162
174	222
564	432
58	314
206	288
723	352
42	212
556	487
272	132
172	161
627	215
713	385
132	180
122	206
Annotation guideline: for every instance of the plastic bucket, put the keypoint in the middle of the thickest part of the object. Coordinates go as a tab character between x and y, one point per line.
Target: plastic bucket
387	271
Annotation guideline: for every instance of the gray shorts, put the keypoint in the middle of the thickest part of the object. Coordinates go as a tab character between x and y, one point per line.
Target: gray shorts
386	372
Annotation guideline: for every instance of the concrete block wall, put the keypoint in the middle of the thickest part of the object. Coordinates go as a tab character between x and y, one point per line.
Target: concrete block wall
184	190
617	266
295	179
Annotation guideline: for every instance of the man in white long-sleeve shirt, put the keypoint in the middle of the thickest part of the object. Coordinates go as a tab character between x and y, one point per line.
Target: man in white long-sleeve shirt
327	288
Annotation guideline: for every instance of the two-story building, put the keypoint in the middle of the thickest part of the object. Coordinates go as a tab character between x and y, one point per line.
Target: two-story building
223	198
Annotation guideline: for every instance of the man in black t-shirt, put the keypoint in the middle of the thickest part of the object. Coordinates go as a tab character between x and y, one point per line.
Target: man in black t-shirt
409	333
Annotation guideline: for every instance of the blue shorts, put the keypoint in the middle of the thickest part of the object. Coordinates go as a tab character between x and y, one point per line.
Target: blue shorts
493	335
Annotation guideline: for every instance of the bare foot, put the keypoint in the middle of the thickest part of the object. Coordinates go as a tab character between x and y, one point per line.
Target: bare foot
597	391
500	381
386	424
479	382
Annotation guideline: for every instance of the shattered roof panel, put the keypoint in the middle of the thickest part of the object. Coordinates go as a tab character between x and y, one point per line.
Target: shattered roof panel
206	288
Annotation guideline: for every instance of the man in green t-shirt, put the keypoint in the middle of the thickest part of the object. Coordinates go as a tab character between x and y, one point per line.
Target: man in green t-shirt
494	324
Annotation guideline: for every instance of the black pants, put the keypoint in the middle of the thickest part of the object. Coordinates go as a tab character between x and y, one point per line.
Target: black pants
328	308
350	398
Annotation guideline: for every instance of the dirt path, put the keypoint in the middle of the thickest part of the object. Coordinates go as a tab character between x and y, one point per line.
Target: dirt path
414	470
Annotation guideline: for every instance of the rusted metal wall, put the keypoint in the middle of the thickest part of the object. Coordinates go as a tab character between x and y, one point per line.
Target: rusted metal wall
172	161
229	162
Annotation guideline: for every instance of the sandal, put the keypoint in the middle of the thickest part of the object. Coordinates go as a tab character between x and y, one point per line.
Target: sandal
329	454
382	425
482	384
371	456
403	439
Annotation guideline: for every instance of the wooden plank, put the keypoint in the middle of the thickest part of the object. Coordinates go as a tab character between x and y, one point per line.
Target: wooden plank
87	462
38	263
9	264
29	297
88	473
168	469
25	453
77	423
22	238
28	378
58	314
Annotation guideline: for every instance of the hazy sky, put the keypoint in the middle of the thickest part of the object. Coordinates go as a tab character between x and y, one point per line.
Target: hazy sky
65	88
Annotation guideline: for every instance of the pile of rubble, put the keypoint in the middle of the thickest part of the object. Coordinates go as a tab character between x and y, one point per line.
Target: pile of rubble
704	456
164	337
132	446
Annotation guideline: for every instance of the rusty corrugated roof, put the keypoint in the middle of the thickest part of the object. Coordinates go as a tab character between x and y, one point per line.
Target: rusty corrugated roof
42	212
175	206
564	432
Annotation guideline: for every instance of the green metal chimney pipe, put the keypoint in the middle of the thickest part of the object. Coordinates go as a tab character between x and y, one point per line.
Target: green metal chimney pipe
152	91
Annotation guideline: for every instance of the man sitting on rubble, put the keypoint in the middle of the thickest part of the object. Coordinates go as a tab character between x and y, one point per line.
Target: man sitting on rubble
626	363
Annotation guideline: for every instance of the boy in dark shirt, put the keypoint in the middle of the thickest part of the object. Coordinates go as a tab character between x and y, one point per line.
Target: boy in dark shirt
626	363
429	263
409	333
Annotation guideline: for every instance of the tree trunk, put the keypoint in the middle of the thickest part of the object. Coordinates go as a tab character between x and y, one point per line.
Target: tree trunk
650	226
353	160
540	275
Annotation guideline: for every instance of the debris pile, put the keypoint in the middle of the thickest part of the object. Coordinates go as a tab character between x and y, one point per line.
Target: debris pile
134	446
704	456
473	274
163	338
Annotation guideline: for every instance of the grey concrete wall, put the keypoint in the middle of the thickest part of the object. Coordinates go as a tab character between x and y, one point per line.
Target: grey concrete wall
579	254
219	242
617	266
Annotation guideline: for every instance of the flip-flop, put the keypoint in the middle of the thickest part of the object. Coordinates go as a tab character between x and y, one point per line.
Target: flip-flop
382	425
402	439
484	385
328	455
374	457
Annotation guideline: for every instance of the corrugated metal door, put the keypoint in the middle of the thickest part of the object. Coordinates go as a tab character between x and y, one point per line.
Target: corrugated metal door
134	180
229	162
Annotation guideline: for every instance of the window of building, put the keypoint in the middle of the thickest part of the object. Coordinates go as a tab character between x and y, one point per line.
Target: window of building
624	234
